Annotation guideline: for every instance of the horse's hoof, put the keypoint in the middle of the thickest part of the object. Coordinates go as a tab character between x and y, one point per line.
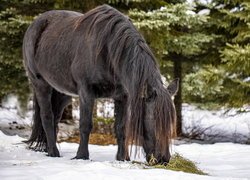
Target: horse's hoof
80	157
54	153
122	158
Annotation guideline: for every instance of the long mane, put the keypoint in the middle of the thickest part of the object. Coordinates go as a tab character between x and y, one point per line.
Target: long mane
132	62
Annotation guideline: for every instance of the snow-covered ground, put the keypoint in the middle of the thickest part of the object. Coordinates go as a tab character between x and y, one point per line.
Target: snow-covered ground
217	126
219	160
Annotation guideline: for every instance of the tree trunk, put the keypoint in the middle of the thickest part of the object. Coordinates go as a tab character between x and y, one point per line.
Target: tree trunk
177	59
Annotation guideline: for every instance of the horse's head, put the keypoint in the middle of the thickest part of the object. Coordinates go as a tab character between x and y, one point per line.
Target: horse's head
159	122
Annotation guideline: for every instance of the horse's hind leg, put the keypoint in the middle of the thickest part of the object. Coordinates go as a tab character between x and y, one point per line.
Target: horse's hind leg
120	113
43	92
59	102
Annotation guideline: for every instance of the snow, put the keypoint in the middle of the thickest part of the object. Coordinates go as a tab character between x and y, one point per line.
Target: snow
204	12
217	125
220	160
105	109
10	101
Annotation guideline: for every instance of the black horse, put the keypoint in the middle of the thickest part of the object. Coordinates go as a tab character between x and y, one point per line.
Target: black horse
98	54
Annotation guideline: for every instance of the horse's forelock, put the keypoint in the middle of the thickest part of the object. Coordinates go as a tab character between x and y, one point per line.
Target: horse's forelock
165	118
139	71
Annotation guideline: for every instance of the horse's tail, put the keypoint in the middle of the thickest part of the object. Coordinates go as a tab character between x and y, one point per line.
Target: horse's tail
37	140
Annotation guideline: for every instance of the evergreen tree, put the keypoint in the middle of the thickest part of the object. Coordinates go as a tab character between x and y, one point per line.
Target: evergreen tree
225	81
12	28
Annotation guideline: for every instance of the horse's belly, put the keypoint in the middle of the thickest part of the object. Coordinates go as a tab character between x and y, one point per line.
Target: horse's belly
63	85
67	91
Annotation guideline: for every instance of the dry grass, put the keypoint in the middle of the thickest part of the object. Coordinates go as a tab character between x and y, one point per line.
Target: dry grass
95	138
176	163
179	163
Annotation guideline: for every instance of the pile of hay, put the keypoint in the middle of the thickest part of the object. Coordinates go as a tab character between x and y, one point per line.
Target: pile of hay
179	163
176	163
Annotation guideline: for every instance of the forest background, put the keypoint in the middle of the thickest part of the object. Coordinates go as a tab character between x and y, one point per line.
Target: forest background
205	43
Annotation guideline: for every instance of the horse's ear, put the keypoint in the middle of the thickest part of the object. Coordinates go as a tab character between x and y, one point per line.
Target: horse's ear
173	87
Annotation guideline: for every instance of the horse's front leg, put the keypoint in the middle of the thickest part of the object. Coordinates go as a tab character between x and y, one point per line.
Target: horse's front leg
85	125
120	117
